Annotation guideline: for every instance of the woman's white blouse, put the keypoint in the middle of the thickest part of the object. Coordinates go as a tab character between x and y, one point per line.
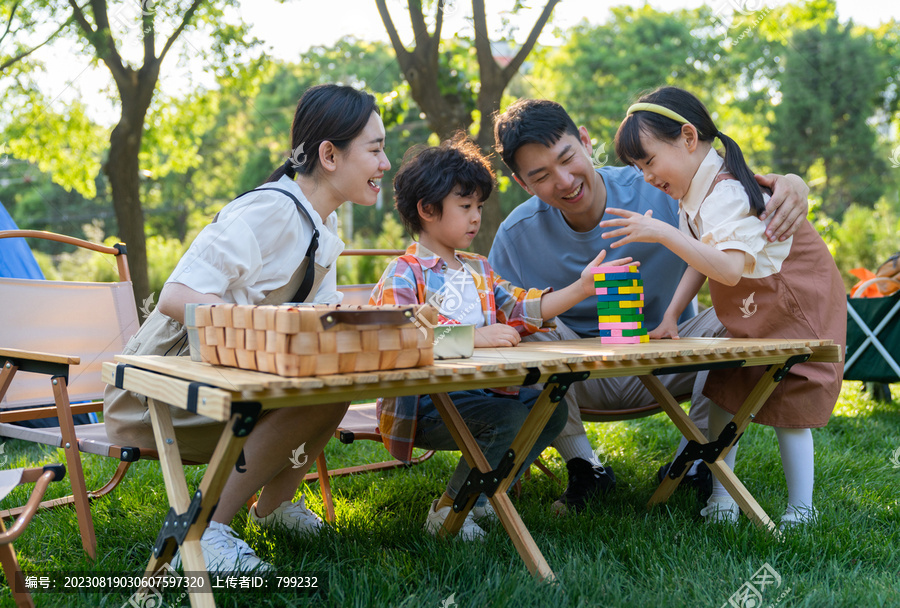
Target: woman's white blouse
724	220
256	245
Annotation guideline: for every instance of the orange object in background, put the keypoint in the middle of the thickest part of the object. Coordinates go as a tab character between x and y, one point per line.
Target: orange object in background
864	274
890	269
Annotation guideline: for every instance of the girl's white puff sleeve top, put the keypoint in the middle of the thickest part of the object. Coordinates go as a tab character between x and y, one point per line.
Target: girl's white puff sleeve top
256	245
724	220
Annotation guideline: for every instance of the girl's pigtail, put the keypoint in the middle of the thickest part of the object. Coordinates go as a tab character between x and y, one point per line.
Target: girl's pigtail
737	166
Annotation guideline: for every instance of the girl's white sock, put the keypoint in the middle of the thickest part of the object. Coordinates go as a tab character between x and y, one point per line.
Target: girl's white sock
718	420
798	460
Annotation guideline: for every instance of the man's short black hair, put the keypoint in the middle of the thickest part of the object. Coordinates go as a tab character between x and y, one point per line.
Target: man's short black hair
429	174
530	121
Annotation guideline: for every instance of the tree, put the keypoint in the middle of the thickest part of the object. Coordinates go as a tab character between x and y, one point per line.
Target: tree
829	90
445	100
18	18
601	70
110	31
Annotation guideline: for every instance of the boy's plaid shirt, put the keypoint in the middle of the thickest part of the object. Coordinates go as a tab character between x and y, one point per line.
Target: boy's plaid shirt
418	277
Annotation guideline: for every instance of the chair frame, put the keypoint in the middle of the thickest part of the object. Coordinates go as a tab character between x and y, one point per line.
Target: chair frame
41	477
872	334
57	366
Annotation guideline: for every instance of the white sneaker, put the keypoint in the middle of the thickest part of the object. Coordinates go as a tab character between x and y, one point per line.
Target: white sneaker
223	551
435	521
486	512
721	511
292	515
798	516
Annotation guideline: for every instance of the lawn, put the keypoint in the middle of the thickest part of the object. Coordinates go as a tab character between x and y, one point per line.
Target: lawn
619	554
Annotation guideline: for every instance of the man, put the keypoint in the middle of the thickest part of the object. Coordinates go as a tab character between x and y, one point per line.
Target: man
544	240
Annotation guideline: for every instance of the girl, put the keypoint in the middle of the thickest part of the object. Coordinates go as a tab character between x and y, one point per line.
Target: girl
275	244
789	289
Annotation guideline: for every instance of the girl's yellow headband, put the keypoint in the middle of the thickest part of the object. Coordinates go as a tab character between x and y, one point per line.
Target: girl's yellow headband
657	109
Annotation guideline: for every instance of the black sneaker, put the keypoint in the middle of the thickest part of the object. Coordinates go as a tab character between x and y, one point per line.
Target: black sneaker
586	482
701	481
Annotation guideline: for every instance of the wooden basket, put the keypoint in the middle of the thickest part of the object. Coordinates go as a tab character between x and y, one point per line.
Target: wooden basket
313	340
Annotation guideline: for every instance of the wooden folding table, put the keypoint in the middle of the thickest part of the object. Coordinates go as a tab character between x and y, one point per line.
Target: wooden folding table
239	396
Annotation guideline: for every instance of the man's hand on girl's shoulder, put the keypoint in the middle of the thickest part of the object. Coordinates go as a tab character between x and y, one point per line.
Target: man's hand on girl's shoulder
787	206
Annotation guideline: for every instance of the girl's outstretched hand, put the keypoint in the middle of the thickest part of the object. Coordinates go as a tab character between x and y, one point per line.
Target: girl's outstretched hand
667	329
587	276
633	227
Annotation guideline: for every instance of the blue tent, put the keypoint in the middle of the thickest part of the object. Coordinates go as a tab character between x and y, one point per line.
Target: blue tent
16	259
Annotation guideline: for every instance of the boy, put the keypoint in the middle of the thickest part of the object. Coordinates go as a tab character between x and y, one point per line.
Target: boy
439	194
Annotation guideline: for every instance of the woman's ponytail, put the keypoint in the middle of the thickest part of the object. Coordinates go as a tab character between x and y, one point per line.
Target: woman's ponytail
286	169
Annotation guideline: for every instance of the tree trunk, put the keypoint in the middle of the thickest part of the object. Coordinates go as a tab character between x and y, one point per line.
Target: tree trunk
122	172
492	214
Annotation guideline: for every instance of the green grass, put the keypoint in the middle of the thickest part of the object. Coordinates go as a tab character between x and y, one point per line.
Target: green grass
618	555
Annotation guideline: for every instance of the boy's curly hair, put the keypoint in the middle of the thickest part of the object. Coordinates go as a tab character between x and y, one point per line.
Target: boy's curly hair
429	174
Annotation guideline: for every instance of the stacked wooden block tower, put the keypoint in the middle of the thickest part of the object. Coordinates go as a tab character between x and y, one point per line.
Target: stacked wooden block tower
620	304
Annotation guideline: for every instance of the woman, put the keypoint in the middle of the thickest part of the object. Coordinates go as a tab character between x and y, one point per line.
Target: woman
257	251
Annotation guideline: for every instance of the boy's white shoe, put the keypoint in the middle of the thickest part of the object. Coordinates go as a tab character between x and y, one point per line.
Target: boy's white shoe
721	511
436	518
292	515
484	512
223	551
798	516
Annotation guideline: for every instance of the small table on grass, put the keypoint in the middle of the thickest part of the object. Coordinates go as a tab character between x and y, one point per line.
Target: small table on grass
239	396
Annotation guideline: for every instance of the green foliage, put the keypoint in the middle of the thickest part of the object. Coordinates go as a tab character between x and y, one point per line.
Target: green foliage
829	88
65	145
79	264
600	70
864	238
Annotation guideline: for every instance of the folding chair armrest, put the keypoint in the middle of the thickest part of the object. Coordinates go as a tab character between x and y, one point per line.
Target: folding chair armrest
41	477
27	355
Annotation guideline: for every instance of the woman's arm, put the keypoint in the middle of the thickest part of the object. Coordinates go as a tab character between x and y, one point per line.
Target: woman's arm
174	296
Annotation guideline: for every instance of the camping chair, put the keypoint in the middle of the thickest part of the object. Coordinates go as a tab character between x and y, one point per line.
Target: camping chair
9	479
90	323
360	421
873	336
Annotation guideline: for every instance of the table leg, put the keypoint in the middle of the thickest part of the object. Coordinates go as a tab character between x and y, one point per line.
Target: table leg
723	473
217	472
506	512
